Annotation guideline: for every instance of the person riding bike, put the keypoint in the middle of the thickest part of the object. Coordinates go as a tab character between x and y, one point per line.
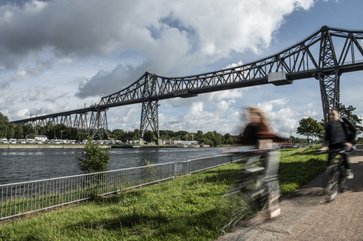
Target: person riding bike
258	135
339	134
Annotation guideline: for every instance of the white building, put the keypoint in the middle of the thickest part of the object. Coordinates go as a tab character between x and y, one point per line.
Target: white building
40	138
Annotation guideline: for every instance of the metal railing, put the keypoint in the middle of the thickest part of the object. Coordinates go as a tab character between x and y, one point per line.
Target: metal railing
21	198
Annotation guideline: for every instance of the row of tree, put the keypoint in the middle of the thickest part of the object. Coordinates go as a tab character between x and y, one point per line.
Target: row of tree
308	127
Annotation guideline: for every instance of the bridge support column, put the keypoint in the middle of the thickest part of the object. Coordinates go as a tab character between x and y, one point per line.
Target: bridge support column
330	96
98	124
149	111
149	118
328	76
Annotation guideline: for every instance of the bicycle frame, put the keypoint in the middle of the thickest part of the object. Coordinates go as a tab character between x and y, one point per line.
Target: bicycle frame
260	183
334	179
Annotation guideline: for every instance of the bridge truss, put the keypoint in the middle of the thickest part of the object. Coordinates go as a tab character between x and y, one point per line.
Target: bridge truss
93	120
324	55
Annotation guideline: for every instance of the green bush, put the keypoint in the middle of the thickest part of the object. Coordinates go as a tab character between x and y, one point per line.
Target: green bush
93	159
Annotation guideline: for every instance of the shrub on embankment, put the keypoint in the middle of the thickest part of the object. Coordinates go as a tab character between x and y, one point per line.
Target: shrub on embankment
187	208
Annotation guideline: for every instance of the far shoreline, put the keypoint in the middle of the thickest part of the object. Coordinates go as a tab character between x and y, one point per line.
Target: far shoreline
45	146
81	146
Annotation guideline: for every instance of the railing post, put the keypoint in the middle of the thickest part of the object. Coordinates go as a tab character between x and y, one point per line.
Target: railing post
188	167
175	169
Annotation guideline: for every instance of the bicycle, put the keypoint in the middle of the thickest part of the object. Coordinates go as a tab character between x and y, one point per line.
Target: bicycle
334	178
259	182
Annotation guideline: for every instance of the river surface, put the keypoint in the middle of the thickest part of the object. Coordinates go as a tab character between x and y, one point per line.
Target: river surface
17	165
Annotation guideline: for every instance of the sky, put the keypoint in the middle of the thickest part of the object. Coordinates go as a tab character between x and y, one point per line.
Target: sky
62	55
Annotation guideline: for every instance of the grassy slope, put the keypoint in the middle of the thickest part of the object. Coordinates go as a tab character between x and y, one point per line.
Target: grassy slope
187	208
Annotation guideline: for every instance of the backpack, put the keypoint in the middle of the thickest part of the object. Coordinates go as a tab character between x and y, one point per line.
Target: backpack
349	130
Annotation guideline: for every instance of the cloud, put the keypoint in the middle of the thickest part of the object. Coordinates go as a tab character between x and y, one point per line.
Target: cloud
198	117
227	94
126	118
164	37
171	36
279	114
104	83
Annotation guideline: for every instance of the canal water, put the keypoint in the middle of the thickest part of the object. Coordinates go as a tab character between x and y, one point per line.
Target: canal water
17	165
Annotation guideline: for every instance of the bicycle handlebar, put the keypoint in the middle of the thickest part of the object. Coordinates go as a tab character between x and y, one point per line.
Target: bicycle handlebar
340	150
251	151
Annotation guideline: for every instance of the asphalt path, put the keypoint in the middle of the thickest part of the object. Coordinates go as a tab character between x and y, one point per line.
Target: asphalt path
305	215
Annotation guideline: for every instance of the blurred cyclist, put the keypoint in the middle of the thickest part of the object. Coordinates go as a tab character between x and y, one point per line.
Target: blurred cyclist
339	134
258	135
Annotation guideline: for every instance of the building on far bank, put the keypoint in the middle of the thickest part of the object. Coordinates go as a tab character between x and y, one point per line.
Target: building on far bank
4	141
40	138
185	143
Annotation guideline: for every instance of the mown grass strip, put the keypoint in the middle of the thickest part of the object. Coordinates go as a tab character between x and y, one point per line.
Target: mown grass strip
298	167
188	208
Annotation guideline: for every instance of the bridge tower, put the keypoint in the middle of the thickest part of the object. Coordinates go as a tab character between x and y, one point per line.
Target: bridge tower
149	110
328	73
98	123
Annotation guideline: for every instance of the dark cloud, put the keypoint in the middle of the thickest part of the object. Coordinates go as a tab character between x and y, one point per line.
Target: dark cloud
105	83
73	27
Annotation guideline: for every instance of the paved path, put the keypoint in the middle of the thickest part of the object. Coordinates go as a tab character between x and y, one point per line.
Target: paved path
305	215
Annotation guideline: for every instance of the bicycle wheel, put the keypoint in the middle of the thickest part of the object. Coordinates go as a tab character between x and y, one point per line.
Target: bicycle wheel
331	179
343	182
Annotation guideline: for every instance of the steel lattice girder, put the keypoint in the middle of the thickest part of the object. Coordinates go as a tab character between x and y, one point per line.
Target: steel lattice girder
324	55
149	109
303	60
149	117
96	121
329	82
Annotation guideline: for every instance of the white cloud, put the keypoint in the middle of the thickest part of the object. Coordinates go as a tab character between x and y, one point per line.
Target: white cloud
103	54
227	94
171	36
197	108
280	115
234	65
222	106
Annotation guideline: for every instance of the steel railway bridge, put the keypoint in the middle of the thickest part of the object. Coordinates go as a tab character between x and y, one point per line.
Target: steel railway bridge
324	55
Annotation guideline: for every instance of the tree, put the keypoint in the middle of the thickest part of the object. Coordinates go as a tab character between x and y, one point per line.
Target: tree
4	122
94	159
28	130
309	127
228	139
18	132
136	134
149	136
213	138
182	135
166	134
199	136
11	131
119	134
347	112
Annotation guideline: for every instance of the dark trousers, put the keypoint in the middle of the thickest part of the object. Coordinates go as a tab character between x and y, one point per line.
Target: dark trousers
332	154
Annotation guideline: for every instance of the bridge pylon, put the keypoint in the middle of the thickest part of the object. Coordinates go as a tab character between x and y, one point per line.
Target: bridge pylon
149	110
328	74
98	124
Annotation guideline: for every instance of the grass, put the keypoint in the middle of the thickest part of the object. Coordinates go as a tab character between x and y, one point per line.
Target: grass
298	167
188	208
